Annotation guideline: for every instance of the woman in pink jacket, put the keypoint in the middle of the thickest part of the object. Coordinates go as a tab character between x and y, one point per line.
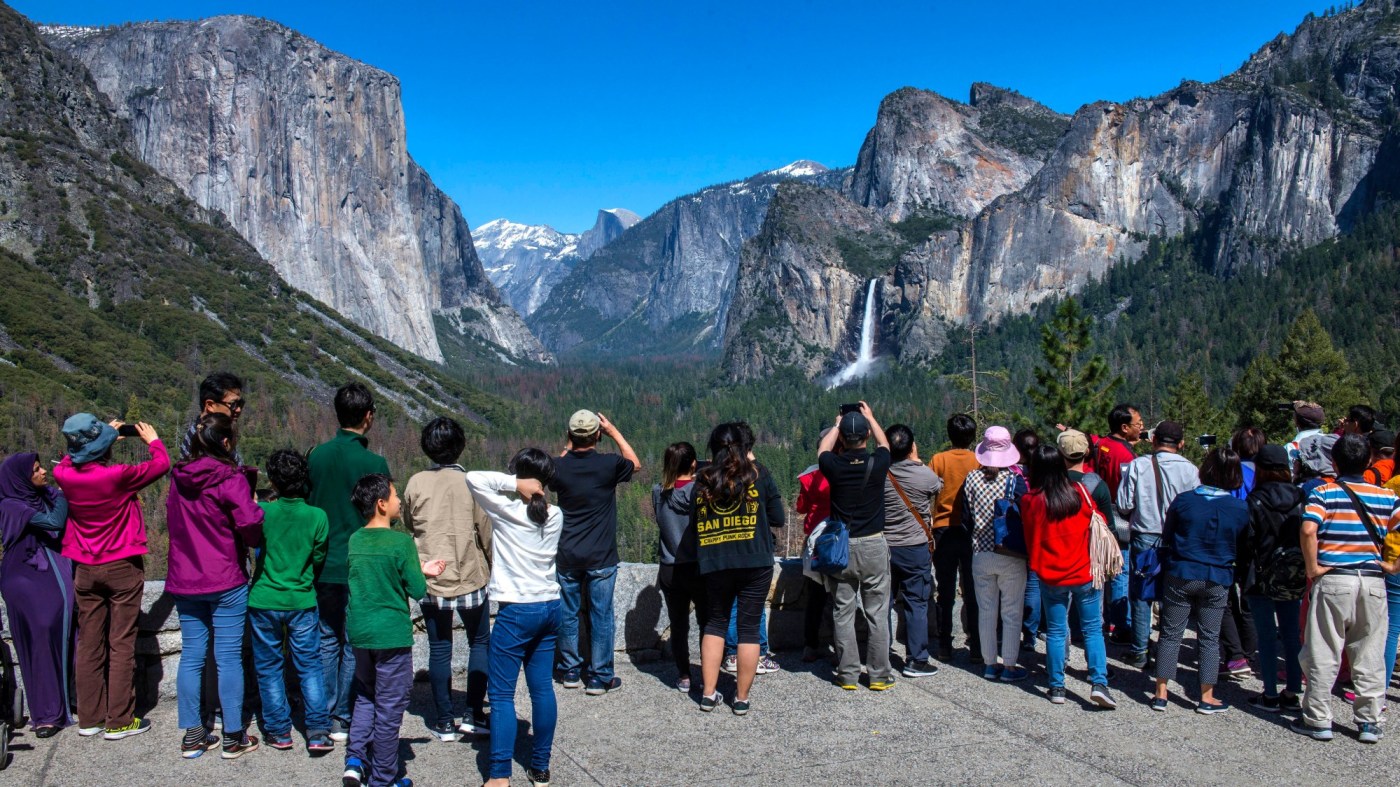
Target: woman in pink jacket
106	538
213	520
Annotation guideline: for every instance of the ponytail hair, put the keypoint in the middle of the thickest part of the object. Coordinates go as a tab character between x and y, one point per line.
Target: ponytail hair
214	437
724	480
678	460
1050	477
534	464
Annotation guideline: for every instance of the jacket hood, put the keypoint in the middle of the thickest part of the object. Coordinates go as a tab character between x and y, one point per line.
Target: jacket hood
197	475
1277	495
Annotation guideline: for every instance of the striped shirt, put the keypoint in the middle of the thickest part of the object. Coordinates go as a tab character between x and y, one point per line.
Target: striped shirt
1342	538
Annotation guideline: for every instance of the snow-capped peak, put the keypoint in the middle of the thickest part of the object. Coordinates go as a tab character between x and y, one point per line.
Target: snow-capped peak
798	169
68	31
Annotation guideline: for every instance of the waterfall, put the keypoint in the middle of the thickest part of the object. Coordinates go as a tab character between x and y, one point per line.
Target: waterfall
866	357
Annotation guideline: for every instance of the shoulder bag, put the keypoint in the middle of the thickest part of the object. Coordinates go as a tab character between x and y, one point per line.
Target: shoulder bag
914	512
1105	558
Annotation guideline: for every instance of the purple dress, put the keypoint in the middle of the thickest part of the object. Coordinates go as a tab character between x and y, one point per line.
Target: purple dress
36	582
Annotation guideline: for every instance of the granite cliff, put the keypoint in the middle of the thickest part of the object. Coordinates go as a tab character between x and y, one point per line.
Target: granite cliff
303	150
525	261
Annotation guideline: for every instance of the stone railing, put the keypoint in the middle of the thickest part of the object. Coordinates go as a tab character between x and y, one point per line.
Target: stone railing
643	627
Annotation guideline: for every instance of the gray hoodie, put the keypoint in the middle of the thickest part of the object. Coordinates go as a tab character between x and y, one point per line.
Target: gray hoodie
672	507
1137	497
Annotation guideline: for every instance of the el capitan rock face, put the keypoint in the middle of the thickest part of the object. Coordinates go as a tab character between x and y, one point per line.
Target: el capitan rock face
303	149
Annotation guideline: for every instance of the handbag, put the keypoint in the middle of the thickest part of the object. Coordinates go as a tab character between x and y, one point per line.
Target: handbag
1105	558
914	512
831	552
1008	538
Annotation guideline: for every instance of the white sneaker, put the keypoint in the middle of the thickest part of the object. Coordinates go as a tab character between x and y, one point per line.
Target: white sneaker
88	732
731	664
767	665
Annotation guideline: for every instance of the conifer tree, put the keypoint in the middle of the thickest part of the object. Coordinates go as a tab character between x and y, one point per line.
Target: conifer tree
1073	386
1308	367
1189	404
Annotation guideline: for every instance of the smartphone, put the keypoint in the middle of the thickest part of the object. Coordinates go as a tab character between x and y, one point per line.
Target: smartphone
251	473
850	408
1206	440
127	430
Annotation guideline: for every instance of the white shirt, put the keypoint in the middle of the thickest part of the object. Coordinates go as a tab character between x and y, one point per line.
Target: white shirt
523	552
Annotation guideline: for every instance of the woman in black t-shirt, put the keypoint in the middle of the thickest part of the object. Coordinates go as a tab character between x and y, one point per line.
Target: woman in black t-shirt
735	504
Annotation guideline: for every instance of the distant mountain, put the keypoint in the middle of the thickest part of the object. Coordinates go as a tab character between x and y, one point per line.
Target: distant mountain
525	261
303	150
666	283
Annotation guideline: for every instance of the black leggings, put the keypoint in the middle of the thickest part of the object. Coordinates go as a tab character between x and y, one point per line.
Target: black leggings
682	585
750	587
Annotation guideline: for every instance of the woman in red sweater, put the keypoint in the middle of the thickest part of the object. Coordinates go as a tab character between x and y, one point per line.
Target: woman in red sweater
1055	515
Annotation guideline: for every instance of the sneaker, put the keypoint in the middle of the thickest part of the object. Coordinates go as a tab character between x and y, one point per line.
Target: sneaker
1290	702
444	731
571	680
710	702
1316	733
1057	696
880	685
319	743
1208	709
1369	732
88	732
1159	704
683	683
340	731
191	751
478	725
596	689
1102	698
811	654
731	664
919	669
1239	668
766	665
1266	703
1014	674
537	778
235	749
849	686
136	727
280	741
992	672
1135	660
354	775
741	707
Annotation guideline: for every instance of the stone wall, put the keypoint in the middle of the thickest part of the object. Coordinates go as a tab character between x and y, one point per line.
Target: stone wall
643	627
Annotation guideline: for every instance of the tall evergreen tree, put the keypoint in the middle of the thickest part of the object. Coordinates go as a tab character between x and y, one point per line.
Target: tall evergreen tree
1307	367
1189	404
1073	386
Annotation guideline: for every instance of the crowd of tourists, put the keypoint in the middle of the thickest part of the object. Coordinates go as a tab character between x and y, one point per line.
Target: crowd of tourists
1285	554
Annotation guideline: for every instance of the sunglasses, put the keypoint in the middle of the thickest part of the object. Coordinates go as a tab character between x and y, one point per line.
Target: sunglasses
236	404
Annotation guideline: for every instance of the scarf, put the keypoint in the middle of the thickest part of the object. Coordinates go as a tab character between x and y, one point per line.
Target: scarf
20	500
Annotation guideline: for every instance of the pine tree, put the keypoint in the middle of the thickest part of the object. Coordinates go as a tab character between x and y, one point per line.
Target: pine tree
1308	367
1073	386
1189	404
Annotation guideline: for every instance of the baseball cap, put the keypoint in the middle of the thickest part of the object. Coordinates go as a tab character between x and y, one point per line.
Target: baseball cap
1073	444
854	427
1382	439
1272	457
1169	432
584	423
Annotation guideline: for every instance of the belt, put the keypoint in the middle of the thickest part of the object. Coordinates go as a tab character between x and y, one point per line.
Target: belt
1356	572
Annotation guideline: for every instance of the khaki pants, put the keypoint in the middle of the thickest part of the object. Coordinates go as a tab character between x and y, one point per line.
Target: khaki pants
109	601
1001	599
865	584
1345	611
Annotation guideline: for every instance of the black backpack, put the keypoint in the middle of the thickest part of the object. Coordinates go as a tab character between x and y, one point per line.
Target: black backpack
1280	573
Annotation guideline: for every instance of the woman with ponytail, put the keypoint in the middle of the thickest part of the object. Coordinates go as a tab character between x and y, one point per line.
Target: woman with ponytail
679	576
524	582
735	504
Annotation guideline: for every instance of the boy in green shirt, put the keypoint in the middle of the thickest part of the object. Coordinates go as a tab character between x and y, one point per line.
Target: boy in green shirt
282	605
384	575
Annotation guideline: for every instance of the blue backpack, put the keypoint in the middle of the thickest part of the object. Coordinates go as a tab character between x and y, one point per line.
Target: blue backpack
1008	534
832	552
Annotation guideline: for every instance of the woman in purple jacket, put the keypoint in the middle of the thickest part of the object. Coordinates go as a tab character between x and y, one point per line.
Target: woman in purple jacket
213	520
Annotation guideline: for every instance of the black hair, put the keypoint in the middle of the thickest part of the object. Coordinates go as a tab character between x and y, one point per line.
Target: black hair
731	471
369	490
1364	417
579	442
1351	454
1120	416
1050	477
962	430
678	460
213	387
1247	442
353	403
287	470
901	439
1221	469
210	433
534	464
1025	441
443	441
746	434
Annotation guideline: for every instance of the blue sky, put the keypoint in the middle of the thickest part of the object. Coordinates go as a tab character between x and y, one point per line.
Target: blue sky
543	112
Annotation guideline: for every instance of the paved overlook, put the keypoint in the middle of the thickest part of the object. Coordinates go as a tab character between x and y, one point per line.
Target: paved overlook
952	728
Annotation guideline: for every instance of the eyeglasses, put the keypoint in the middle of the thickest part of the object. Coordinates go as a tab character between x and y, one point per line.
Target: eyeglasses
236	404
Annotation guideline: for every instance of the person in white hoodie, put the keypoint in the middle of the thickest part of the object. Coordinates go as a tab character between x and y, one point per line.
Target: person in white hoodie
525	583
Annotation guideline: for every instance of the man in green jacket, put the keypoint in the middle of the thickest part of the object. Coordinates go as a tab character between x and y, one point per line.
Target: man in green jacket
335	467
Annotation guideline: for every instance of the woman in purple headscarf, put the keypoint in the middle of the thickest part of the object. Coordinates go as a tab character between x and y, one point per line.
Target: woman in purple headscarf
36	582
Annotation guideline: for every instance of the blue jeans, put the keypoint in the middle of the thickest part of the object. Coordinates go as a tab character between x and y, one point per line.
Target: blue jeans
524	635
1277	621
300	632
1392	634
1118	611
222	614
337	657
1030	618
598	584
731	639
1141	611
1087	603
477	624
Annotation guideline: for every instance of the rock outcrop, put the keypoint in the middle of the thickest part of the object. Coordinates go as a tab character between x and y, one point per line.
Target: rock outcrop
525	261
303	150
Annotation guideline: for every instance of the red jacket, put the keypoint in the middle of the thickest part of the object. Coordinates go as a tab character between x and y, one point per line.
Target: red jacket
1058	549
1107	459
813	499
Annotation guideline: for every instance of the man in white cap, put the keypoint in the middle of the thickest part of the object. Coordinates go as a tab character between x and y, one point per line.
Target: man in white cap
586	482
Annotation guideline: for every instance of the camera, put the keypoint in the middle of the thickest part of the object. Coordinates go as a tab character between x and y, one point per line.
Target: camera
1207	441
1145	434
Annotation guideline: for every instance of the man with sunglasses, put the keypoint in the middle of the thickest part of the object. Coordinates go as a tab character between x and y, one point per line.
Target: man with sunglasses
220	392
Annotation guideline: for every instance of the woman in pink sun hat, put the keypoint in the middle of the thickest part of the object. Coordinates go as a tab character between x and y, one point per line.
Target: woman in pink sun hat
998	569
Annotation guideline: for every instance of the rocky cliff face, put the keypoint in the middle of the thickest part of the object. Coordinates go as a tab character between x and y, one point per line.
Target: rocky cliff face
303	149
525	261
667	282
